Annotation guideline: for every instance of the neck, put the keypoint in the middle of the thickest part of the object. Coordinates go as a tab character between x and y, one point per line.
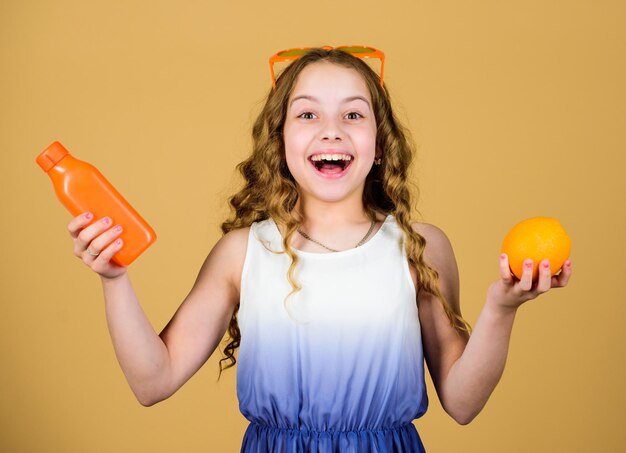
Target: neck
320	215
337	225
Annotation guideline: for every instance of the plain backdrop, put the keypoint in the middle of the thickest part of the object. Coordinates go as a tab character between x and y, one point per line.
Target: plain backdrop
518	109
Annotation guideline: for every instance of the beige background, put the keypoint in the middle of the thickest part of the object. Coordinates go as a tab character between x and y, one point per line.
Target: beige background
518	108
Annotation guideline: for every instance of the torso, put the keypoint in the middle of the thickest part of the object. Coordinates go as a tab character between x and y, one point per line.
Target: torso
342	357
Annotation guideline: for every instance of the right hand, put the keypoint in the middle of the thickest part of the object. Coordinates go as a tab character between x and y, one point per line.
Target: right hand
97	243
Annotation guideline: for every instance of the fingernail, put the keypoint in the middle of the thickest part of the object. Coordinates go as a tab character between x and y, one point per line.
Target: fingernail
118	242
546	265
106	220
118	229
528	264
88	216
503	256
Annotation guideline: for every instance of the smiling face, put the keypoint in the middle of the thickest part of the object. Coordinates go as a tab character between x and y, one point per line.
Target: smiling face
330	132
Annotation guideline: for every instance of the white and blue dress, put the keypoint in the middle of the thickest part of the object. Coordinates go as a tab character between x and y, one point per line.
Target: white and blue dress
339	366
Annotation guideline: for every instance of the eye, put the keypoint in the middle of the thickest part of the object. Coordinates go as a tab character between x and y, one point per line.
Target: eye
306	115
354	116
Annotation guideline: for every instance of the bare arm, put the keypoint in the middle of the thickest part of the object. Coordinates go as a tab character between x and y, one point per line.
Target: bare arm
466	370
156	366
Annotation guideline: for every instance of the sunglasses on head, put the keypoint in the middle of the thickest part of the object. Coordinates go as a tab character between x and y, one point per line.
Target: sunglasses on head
357	51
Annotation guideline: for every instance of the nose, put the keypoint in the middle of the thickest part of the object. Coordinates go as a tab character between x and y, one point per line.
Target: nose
331	131
330	137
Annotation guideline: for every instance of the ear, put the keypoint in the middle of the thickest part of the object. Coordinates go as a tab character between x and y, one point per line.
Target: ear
378	157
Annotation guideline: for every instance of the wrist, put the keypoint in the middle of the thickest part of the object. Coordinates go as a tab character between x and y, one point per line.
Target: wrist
111	280
498	307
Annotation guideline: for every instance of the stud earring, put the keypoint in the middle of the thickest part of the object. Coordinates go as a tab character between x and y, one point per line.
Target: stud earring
377	161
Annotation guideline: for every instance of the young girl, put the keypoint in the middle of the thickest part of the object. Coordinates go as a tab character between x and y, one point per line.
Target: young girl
333	297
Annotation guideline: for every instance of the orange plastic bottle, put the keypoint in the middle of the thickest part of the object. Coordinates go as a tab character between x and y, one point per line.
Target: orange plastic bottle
81	187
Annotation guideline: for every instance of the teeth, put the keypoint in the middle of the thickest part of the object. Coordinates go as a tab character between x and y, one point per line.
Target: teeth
319	157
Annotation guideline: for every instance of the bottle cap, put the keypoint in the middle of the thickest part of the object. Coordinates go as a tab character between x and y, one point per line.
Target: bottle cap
51	156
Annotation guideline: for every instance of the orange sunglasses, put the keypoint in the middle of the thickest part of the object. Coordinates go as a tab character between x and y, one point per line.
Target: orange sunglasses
357	51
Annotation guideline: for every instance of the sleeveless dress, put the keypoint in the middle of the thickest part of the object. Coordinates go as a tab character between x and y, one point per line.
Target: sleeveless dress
339	366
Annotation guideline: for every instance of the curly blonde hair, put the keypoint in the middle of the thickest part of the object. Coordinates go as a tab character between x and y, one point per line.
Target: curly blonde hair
270	190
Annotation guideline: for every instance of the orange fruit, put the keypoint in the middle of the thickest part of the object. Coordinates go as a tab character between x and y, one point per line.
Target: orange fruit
537	238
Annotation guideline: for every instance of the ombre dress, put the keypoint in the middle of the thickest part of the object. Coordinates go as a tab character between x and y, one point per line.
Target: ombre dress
339	366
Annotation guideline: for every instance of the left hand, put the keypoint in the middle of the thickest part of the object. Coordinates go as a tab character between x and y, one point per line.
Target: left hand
509	292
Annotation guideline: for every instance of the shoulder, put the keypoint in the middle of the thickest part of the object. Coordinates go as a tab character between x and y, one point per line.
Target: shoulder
428	230
233	243
437	243
235	240
439	255
228	255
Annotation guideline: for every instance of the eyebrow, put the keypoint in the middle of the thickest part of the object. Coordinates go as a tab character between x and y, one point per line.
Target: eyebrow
314	99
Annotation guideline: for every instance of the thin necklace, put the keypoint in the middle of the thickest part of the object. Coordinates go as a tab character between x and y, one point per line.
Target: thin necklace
306	236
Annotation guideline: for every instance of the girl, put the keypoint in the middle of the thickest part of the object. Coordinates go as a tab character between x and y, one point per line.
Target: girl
333	297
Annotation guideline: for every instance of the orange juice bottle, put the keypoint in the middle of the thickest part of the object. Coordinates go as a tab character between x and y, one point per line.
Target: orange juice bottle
81	187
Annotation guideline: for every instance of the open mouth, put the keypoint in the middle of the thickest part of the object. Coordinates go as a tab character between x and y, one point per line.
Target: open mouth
331	164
